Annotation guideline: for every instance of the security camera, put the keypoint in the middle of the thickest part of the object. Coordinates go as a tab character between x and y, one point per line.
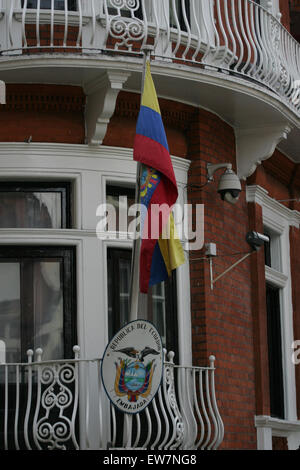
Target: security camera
256	240
229	184
229	187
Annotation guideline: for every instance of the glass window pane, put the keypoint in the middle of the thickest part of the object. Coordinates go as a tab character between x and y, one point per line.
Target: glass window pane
48	308
10	309
116	196
159	309
35	205
24	209
124	290
46	4
152	307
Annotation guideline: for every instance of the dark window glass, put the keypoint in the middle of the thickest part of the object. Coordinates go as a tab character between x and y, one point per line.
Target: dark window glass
267	245
180	14
118	196
35	205
46	4
127	13
161	301
275	352
37	301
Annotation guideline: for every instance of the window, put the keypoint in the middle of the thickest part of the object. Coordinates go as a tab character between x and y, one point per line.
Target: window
35	205
272	250
161	301
120	197
274	326
37	301
277	220
46	4
275	352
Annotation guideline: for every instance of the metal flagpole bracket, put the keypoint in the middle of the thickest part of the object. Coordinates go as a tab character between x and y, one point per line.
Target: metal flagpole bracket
147	49
213	281
254	239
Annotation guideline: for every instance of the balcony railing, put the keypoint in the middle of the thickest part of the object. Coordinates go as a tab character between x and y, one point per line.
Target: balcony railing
62	405
237	37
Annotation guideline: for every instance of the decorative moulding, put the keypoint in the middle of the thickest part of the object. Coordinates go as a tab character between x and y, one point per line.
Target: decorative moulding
272	207
86	152
254	145
101	101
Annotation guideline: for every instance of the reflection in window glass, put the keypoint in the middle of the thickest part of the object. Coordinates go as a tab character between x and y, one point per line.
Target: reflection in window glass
124	290
48	308
121	198
30	210
159	305
37	304
29	205
10	310
159	309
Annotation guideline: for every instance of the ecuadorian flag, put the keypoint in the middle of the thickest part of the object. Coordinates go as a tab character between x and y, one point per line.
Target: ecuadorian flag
162	253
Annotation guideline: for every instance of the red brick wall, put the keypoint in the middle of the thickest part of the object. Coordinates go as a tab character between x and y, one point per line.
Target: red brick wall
222	318
280	176
48	113
285	12
122	126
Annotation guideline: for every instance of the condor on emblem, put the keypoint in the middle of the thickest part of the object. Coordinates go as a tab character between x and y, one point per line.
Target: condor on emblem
132	366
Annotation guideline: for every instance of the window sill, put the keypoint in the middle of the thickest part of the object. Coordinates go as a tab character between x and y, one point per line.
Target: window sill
280	427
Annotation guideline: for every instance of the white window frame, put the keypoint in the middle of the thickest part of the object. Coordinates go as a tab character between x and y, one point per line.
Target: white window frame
90	169
278	219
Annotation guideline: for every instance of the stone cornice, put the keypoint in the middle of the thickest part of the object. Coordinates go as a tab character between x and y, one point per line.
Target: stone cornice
43	150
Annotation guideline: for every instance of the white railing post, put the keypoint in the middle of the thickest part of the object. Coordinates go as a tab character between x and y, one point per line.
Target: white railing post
160	17
92	32
184	414
10	29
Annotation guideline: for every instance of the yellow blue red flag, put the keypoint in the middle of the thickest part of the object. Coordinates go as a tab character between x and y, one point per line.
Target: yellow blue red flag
162	253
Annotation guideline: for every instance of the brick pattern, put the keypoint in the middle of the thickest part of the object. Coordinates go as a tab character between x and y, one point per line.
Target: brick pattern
48	113
222	318
45	39
279	443
284	7
122	126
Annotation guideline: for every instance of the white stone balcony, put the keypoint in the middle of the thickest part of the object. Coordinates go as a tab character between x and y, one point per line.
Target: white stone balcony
237	37
62	404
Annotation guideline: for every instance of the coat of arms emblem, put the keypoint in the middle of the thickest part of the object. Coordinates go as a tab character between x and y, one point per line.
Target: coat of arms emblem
133	377
132	366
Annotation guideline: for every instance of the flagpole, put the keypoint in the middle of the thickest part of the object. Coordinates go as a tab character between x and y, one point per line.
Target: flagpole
135	295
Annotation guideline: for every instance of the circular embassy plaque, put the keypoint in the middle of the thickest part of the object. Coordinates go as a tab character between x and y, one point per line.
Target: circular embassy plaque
132	366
